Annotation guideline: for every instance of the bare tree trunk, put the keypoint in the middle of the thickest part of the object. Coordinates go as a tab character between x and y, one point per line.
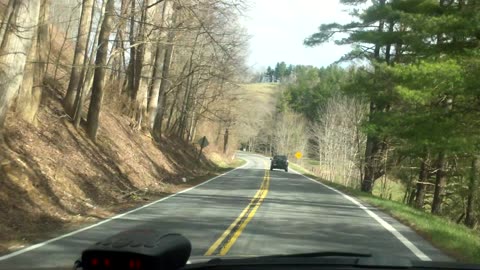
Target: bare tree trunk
79	56
157	126
100	62
13	55
184	112
174	101
218	133
472	192
88	80
7	18
25	90
82	85
225	141
410	192
140	54
189	98
133	55
117	62
146	67
172	107
31	91
371	163
159	60
155	86
420	192
114	73
440	183
50	45
193	126
60	52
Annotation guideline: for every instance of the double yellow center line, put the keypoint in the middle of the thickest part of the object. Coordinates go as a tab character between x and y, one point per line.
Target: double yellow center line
230	236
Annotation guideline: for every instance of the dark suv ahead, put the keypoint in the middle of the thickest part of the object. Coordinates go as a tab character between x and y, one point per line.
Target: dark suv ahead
279	162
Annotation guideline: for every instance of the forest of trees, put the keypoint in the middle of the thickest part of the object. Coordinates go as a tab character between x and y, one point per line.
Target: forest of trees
404	106
168	64
280	73
408	107
421	90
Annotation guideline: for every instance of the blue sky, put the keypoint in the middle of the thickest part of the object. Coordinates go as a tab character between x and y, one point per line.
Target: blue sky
278	28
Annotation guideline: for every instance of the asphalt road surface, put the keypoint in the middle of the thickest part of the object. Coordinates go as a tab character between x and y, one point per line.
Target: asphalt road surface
248	211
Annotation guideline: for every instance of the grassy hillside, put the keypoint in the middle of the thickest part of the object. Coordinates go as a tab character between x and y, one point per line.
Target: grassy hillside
257	102
262	93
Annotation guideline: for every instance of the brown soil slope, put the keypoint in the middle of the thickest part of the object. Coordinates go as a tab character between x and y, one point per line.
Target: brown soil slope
52	178
51	175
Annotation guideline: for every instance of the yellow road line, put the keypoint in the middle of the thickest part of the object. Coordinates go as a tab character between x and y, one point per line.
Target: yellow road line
236	228
229	229
237	233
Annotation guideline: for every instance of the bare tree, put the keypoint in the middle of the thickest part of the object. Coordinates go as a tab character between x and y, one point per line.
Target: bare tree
7	18
79	56
159	63
84	81
29	96
290	133
16	42
99	76
118	55
339	141
165	82
146	62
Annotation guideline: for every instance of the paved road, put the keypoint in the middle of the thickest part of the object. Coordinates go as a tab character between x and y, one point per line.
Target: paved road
276	213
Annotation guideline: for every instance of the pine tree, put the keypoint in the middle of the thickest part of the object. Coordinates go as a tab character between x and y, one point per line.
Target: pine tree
401	33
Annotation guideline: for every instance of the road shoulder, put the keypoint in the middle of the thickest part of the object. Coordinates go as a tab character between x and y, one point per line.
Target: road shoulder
408	235
42	238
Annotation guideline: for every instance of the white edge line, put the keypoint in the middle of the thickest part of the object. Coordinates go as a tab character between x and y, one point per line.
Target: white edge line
27	249
414	249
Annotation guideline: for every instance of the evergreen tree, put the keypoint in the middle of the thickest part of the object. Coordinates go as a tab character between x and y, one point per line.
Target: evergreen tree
400	33
270	74
280	70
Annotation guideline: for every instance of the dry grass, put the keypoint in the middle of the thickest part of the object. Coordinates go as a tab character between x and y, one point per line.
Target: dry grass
263	93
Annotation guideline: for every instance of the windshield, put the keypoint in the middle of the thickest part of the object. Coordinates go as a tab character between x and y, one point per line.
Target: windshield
250	127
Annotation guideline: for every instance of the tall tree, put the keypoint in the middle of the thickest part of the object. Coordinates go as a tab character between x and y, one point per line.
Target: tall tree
313	87
7	19
131	69
84	82
472	193
369	44
16	45
280	70
100	68
165	82
28	100
270	74
148	60
421	183
79	56
167	13
440	183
